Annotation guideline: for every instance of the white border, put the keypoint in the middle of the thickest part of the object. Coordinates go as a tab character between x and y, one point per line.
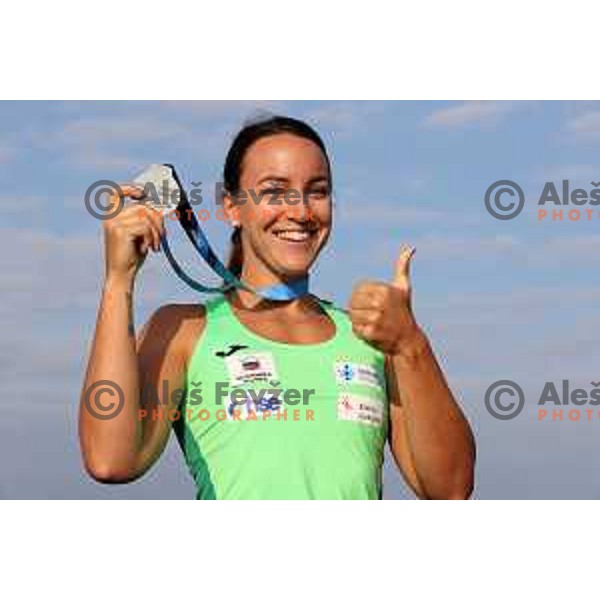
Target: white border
458	50
274	50
494	549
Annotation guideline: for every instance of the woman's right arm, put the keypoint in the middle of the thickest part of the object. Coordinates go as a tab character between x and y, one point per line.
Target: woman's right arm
117	444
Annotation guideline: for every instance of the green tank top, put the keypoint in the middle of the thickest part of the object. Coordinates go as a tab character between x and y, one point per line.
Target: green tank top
262	419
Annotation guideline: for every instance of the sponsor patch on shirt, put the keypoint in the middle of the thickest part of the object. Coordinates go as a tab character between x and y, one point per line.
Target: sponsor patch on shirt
249	367
254	401
353	407
361	373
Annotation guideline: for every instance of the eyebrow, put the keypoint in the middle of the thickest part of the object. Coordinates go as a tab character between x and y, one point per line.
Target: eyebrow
286	180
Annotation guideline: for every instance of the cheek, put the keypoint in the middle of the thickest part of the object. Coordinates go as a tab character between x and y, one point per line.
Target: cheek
259	217
322	213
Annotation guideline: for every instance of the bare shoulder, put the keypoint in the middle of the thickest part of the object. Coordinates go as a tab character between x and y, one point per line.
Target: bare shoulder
170	314
174	328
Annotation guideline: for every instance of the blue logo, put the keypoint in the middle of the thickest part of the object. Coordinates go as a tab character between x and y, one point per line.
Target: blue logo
268	402
346	372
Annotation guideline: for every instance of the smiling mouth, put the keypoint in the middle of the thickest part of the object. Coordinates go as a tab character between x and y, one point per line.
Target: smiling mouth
297	236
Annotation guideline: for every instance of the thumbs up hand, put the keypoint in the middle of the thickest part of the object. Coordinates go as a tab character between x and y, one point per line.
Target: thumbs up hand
381	313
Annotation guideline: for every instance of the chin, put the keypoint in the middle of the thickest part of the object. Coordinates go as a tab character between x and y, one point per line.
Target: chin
293	258
292	273
292	270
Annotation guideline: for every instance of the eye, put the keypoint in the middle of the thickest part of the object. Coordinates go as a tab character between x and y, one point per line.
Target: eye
272	188
319	192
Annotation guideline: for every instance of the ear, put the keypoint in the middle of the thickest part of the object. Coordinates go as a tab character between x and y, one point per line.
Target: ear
232	210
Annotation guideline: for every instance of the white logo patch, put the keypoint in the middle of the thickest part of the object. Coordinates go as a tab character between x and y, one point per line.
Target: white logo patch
365	374
352	407
249	367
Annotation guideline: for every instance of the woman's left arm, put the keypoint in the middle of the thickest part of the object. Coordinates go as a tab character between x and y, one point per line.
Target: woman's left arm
430	437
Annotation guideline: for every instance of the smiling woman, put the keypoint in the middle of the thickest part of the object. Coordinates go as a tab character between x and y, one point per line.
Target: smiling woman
292	165
374	375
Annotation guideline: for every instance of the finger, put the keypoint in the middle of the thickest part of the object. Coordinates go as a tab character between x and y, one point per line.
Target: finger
154	229
363	316
132	213
149	217
141	231
144	240
159	219
153	211
142	243
129	190
402	269
364	302
367	295
363	330
366	286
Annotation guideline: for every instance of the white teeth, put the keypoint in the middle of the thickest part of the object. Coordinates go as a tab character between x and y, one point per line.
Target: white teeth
294	236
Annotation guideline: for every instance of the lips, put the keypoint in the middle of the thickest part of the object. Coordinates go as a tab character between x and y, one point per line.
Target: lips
294	235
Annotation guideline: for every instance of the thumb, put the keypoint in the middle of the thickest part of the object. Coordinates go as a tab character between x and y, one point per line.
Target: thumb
402	270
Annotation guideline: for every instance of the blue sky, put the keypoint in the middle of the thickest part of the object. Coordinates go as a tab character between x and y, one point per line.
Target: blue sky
509	299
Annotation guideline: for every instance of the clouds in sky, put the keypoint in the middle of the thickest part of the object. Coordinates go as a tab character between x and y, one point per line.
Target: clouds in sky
471	112
586	125
514	299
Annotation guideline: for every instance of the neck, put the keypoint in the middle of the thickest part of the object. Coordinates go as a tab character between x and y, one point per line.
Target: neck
245	300
260	278
273	286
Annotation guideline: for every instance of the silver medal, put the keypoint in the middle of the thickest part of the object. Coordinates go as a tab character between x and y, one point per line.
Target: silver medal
160	187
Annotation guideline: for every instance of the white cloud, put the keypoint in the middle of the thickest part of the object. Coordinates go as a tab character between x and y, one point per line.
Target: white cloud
466	113
105	142
91	131
108	142
585	125
343	118
47	276
95	158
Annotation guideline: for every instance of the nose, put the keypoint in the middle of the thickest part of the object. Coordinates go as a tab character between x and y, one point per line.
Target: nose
300	211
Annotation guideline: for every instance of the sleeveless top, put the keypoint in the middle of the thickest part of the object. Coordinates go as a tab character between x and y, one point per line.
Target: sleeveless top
262	419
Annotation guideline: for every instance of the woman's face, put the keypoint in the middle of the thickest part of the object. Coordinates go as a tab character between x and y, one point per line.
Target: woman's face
283	235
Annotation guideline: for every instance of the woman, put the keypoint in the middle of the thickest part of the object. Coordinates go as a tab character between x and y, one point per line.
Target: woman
283	399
